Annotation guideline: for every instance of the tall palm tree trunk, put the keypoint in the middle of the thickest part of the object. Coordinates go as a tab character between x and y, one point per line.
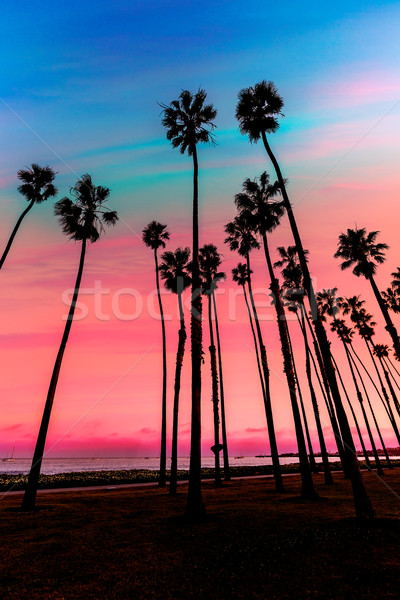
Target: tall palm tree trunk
14	232
178	371
29	499
360	437
163	450
389	382
255	344
361	401
327	396
384	391
382	396
215	399
308	490
313	464
389	323
267	394
227	475
362	502
195	506
389	464
324	454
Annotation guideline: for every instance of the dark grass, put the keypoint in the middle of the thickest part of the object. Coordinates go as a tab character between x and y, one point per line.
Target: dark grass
254	543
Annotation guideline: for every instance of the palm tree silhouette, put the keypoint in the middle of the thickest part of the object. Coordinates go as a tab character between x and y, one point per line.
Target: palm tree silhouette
174	272
354	307
242	239
391	298
189	122
328	305
396	280
256	199
292	285
241	276
37	187
210	261
82	219
154	236
257	112
381	351
345	335
360	251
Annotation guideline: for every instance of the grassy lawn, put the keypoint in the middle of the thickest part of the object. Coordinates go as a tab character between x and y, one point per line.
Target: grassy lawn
254	544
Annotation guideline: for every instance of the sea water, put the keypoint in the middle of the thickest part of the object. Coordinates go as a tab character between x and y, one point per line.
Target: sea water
51	466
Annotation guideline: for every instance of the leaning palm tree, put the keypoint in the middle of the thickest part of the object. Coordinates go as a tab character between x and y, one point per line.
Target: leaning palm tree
241	276
189	122
82	219
329	305
292	284
154	236
256	198
174	272
241	237
381	351
257	111
365	326
210	261
360	250
37	187
345	335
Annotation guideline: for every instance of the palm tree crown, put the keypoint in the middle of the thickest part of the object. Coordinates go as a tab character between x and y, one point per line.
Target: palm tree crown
37	183
189	121
209	261
396	280
84	217
174	270
329	303
155	235
257	110
290	265
241	274
241	234
357	247
256	199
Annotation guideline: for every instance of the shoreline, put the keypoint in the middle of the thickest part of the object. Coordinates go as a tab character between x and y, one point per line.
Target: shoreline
105	478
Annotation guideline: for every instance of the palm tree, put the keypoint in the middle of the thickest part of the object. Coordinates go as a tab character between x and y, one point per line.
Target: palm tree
227	474
189	121
381	351
174	272
396	281
210	261
293	279
154	236
391	298
256	199
241	276
242	239
360	251
365	327
329	305
82	219
257	111
37	187
345	335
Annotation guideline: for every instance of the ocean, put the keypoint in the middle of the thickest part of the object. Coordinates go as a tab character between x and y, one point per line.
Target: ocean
51	466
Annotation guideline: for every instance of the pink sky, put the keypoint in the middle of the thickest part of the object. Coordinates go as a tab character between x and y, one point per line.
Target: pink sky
108	400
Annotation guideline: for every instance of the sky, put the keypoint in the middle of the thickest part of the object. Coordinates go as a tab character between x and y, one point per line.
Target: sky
80	89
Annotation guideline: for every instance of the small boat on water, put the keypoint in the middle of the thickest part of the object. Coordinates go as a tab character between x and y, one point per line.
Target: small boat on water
9	458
